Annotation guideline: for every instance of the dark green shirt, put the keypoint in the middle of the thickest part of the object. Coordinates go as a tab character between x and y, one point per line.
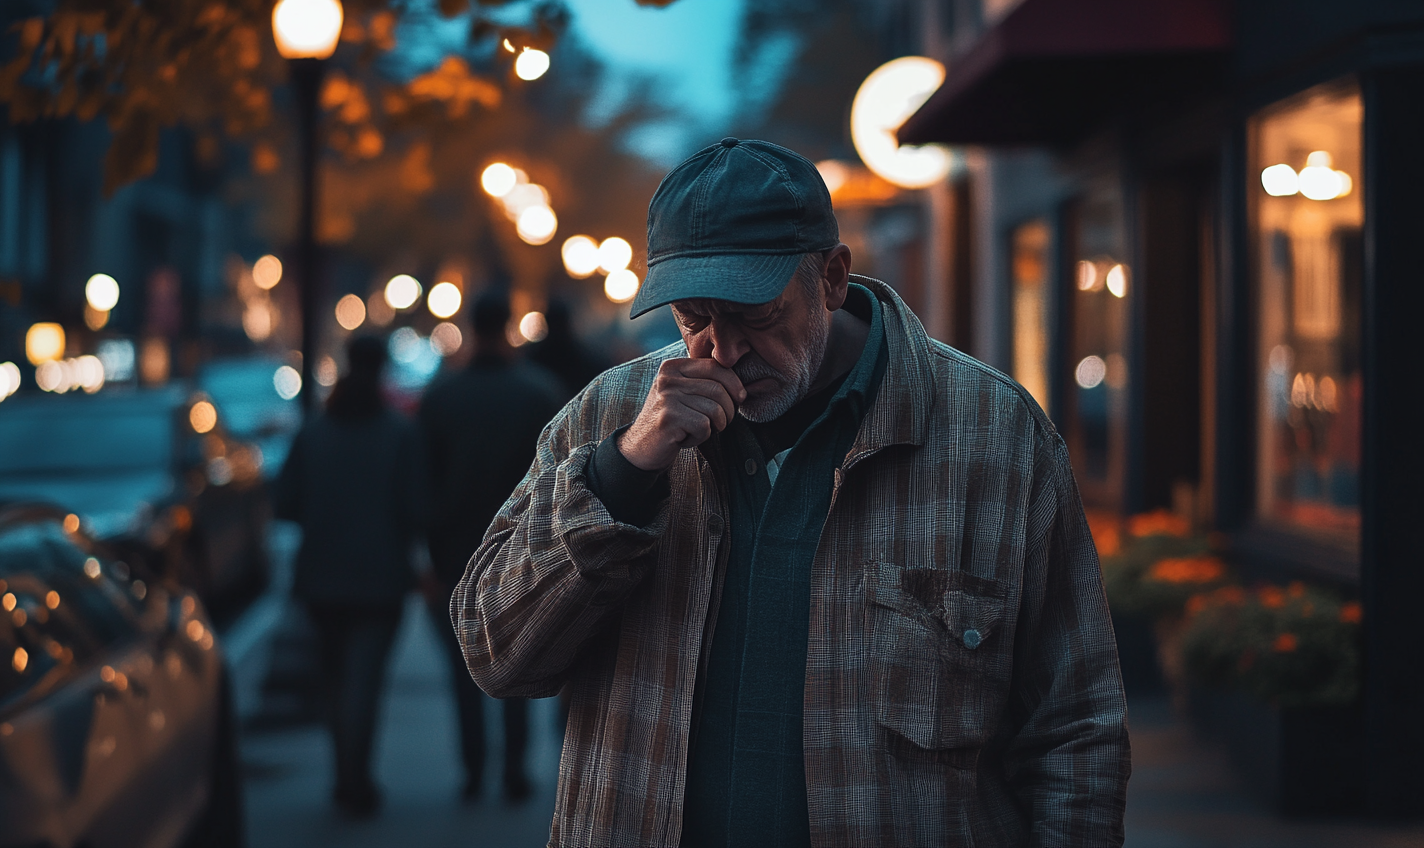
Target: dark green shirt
746	780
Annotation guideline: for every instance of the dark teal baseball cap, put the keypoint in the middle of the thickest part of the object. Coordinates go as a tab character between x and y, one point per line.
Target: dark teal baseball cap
732	223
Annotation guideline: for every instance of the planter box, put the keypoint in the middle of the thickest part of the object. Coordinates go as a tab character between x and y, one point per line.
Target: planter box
1302	761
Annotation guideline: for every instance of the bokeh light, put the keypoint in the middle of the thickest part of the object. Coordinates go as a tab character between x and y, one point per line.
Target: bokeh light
350	312
401	291
533	327
203	416
614	254
1090	372
306	29
498	179
531	64
1280	180
888	96
621	286
9	379
537	225
287	381
446	338
404	345
44	342
444	300
326	372
1117	280
267	272
580	255
379	312
102	292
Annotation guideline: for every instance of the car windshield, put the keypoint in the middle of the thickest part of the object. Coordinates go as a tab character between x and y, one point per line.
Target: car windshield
86	433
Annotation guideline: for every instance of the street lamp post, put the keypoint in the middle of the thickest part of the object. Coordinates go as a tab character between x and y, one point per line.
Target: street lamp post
306	32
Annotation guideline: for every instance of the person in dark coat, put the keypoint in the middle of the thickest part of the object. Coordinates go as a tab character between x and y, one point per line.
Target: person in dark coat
479	427
354	481
572	360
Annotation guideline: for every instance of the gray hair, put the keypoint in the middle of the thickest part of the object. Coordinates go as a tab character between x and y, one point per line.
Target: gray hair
810	271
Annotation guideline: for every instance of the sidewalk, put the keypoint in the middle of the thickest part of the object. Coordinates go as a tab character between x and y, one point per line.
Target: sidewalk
288	772
1184	794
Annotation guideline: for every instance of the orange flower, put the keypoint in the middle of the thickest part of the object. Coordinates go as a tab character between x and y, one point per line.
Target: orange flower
1272	597
1351	612
1200	569
1106	531
1285	643
1159	522
1231	595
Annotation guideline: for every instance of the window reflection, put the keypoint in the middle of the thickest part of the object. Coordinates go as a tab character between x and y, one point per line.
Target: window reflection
1308	213
1097	362
1031	308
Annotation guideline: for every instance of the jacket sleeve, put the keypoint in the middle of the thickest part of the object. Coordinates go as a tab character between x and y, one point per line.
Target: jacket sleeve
552	572
1068	760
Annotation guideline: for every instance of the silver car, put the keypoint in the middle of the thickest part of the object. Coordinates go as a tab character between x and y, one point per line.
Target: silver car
116	727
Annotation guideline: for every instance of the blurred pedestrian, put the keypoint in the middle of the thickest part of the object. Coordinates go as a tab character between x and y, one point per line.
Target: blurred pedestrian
572	360
480	426
354	481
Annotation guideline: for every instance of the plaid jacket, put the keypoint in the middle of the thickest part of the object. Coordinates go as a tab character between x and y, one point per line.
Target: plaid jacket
962	685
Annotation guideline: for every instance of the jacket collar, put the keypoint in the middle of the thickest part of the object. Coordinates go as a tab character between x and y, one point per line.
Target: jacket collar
901	412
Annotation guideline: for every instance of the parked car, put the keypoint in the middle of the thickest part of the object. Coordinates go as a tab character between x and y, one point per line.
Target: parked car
157	465
116	724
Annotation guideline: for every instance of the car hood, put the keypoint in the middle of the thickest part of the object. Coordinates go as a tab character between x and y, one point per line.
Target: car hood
109	502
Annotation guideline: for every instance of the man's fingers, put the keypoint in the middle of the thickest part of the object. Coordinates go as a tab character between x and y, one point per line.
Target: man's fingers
713	411
709	369
690	387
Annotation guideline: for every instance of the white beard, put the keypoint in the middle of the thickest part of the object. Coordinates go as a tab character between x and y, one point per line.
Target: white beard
794	386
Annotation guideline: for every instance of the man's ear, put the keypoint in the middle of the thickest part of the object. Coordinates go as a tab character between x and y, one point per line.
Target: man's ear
836	277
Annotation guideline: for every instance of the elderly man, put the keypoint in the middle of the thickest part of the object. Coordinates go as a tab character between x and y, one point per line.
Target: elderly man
812	577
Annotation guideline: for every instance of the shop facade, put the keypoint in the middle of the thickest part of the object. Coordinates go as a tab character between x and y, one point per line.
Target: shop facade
1193	231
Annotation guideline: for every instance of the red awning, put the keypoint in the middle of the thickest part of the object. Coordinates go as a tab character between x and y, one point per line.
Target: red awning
1052	68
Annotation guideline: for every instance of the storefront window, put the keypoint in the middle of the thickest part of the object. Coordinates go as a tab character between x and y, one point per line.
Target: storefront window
1031	308
1102	286
1307	218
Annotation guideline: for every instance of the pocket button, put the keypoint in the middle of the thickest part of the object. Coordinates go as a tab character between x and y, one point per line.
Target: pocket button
972	638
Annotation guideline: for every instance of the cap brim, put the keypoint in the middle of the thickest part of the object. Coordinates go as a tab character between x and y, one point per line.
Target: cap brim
737	277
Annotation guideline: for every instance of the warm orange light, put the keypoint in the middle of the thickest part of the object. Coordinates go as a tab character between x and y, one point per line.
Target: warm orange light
267	271
306	29
44	342
350	311
203	416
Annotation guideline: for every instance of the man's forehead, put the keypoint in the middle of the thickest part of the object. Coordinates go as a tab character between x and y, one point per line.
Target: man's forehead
715	306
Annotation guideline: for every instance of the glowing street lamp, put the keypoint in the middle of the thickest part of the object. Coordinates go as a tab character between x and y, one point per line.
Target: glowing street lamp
531	64
306	29
306	32
889	96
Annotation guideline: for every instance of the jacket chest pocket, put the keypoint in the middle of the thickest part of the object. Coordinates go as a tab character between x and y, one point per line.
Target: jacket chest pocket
941	657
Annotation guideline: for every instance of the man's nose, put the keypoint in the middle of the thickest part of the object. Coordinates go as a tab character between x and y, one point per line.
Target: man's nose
728	343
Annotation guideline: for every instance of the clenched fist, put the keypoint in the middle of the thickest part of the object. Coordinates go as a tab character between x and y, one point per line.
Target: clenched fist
690	400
